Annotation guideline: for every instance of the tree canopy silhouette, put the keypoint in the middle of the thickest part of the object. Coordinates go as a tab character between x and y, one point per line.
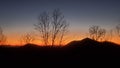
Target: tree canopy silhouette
43	27
27	38
52	27
118	30
2	37
97	33
59	26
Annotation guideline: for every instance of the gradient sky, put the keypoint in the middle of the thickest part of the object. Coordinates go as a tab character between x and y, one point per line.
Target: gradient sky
18	16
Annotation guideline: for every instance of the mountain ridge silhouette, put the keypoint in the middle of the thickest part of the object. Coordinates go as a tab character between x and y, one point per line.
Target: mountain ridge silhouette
74	52
91	43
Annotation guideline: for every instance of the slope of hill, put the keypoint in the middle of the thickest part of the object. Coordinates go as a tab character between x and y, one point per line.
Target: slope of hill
87	43
91	46
74	52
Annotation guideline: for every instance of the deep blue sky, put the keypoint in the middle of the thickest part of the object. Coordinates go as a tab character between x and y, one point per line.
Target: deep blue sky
18	16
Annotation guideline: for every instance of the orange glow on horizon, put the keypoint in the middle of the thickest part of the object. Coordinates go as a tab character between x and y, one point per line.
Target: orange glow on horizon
14	40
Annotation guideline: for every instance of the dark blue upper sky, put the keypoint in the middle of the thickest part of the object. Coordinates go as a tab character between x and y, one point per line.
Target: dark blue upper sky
20	15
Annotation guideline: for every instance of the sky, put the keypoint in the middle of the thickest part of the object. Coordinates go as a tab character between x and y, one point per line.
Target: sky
18	16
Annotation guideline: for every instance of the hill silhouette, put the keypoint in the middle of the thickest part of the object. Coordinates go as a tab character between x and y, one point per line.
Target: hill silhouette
87	42
74	52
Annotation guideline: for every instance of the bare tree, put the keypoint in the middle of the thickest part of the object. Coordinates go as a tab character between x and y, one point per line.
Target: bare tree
63	32
44	27
27	38
2	37
97	33
118	30
109	35
58	25
52	27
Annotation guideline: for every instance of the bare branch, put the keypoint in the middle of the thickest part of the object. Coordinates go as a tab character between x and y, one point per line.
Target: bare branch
52	28
118	30
27	38
44	27
2	37
58	25
97	33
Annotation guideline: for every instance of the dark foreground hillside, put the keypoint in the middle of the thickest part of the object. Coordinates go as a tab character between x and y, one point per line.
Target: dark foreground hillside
86	50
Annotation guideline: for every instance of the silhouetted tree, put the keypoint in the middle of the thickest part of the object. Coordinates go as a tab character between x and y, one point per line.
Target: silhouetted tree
63	32
52	27
97	33
44	27
110	35
59	25
27	38
2	37
118	30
